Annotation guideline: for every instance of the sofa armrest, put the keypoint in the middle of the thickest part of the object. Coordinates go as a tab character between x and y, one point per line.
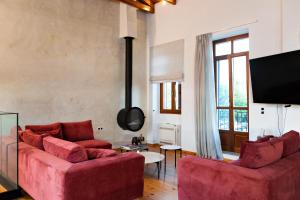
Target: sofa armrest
216	180
41	174
119	177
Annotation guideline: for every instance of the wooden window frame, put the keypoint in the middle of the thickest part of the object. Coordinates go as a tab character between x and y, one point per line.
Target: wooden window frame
229	58
173	110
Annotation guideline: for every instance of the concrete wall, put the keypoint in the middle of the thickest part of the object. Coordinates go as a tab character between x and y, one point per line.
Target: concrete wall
190	18
63	60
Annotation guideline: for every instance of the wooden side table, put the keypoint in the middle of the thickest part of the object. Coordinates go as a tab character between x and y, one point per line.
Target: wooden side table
166	148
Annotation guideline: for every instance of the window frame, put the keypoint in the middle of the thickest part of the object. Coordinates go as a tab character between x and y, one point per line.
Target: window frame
229	57
173	109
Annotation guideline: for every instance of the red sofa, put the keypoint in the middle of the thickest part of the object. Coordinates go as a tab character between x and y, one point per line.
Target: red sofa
47	177
52	168
204	179
79	132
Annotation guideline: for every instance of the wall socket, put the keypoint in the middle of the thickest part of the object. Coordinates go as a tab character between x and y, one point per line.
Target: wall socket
262	111
100	128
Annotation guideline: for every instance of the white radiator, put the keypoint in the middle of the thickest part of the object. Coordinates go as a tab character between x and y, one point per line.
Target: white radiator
170	134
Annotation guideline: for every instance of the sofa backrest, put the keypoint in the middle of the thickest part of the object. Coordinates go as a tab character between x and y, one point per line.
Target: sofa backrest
53	129
77	131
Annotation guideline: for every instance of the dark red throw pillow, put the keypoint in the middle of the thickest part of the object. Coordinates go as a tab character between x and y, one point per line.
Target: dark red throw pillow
257	155
99	153
33	139
291	143
54	133
262	139
53	129
77	131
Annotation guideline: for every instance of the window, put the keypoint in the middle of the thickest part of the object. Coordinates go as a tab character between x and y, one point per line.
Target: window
170	97
231	58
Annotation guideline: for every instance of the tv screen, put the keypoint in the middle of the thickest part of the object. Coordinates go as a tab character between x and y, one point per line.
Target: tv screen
276	79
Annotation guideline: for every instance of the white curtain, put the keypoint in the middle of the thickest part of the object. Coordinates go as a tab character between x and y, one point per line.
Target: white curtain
207	134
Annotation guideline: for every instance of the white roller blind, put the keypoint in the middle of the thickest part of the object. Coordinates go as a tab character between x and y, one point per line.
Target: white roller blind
166	62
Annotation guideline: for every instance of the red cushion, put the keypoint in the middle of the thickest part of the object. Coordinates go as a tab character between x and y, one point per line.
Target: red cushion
257	155
100	153
33	139
52	129
77	131
98	144
291	143
262	139
66	150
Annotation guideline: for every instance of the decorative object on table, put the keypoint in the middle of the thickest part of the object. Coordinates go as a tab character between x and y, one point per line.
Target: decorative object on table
170	148
130	118
133	147
153	157
137	140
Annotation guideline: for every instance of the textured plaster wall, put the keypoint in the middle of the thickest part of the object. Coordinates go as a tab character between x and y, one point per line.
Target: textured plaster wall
63	60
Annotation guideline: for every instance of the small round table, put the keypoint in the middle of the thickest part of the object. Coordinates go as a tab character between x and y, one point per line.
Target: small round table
170	148
153	157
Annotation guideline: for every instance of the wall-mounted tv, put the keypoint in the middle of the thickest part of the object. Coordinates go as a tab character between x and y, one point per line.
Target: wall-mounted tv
276	79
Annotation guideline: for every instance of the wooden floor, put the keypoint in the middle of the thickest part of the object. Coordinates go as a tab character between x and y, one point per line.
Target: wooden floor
164	188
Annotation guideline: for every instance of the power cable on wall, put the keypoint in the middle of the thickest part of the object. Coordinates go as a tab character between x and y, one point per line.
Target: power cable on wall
284	119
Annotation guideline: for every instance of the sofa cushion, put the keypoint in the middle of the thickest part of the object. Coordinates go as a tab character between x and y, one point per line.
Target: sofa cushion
77	131
262	139
66	150
98	144
291	143
100	153
52	129
33	139
257	155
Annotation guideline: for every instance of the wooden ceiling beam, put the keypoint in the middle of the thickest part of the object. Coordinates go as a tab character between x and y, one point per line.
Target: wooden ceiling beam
148	2
169	1
146	5
139	5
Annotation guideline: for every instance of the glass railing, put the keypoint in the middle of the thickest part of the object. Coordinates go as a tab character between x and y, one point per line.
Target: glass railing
9	154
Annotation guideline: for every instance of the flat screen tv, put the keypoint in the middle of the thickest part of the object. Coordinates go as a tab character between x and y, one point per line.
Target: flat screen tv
276	79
